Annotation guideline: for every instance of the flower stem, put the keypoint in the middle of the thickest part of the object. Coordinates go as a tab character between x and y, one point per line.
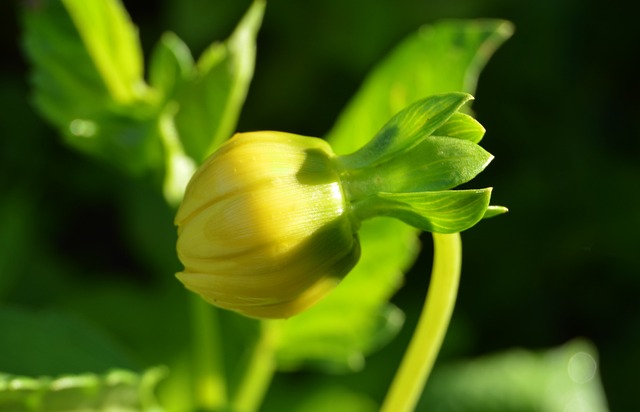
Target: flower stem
208	365
425	344
259	372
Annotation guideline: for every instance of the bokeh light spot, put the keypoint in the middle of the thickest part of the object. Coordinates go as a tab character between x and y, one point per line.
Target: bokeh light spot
83	128
582	367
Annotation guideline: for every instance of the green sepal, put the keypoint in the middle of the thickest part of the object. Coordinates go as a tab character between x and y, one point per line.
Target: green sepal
447	211
436	163
462	126
406	128
494	211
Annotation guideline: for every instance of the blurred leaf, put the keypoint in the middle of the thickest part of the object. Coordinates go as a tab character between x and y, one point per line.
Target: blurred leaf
319	397
63	91
117	390
17	234
178	166
171	64
172	68
152	321
127	140
87	77
210	103
343	328
339	329
336	400
112	42
558	380
447	211
48	343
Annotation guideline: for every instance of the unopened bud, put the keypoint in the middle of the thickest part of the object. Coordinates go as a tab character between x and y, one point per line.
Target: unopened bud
268	224
264	228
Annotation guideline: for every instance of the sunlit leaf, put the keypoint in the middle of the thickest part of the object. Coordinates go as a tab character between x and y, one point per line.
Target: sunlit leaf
112	42
439	58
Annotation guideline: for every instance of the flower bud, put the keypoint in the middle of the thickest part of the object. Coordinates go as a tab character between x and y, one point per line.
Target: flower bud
268	224
265	228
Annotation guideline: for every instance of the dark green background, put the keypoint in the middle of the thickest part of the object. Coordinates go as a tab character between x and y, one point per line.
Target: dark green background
559	101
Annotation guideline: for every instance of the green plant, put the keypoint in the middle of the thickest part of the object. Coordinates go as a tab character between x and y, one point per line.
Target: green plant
157	128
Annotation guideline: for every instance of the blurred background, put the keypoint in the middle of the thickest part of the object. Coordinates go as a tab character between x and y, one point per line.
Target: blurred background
559	104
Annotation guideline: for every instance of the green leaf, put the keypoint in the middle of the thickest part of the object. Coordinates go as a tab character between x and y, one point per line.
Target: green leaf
440	58
117	390
171	65
112	41
87	75
462	126
341	335
63	91
178	166
210	104
19	231
128	140
557	380
447	211
47	343
313	395
406	127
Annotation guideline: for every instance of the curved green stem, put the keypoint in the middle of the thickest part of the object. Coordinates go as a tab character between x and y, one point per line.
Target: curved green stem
208	365
259	372
416	365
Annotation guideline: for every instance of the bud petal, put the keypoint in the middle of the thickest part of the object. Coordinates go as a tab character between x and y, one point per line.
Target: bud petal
265	228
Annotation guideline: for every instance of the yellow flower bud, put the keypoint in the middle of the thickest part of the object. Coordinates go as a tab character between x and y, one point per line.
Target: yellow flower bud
264	228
